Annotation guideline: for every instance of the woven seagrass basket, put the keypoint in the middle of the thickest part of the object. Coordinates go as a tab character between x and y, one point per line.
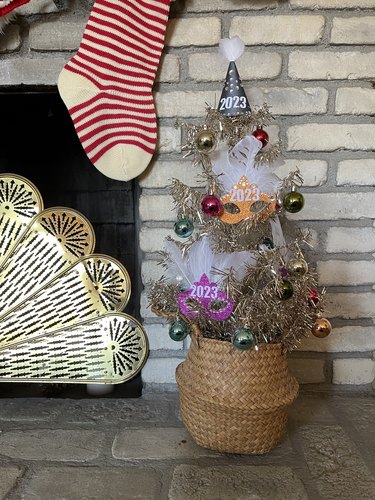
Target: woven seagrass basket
235	401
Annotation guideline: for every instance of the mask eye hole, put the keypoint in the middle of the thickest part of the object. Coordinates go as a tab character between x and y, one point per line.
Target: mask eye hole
258	206
231	208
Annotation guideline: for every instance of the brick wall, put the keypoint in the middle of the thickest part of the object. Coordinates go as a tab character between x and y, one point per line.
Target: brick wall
313	61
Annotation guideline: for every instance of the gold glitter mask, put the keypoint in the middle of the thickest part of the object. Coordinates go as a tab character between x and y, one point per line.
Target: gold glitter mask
245	201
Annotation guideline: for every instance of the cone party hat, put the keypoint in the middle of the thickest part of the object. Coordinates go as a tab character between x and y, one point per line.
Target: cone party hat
233	100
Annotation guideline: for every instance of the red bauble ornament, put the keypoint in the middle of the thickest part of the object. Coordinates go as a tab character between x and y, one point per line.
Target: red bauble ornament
262	136
211	205
314	297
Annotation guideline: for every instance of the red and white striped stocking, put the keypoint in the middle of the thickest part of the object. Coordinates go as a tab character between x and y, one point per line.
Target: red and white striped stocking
107	85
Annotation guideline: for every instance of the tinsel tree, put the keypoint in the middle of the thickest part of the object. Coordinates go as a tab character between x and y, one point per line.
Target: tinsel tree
231	274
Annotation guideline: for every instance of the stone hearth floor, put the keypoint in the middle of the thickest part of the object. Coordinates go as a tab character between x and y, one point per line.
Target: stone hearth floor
106	449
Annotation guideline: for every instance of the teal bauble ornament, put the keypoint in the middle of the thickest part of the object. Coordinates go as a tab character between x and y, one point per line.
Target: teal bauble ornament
243	339
286	290
178	330
293	202
184	228
268	243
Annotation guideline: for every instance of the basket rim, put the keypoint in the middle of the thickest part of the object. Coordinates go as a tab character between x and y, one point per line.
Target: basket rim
272	346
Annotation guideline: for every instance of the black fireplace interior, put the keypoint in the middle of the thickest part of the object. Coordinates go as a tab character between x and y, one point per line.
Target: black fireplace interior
38	141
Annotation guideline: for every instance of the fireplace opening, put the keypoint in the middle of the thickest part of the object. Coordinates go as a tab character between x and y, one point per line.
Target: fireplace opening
38	141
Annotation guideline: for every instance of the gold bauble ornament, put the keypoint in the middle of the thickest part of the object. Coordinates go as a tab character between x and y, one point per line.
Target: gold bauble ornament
321	328
205	141
297	267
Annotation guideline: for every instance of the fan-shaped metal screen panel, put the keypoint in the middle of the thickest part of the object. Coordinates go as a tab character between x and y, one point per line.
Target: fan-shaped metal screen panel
60	304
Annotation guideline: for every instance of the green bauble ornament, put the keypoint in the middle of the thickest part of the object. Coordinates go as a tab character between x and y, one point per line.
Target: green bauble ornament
243	339
205	141
297	267
184	228
286	290
293	202
178	330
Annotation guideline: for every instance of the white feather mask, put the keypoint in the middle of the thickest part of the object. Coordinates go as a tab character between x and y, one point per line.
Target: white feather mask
191	266
240	162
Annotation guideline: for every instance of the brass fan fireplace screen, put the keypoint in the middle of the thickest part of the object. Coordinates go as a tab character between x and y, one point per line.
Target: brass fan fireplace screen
60	304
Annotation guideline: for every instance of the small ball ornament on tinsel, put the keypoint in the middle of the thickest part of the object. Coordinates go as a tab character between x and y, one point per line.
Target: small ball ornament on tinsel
205	141
286	290
211	205
268	243
321	328
243	339
293	202
262	136
314	297
184	228
297	267
178	330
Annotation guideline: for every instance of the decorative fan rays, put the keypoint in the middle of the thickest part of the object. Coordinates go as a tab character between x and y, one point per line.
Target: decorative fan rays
59	304
53	240
110	349
19	201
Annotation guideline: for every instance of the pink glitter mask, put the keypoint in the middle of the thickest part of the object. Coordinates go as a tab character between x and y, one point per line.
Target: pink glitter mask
207	295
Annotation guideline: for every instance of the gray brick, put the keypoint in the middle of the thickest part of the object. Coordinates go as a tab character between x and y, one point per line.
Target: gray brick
332	4
169	69
83	483
44	444
273	29
290	101
36	71
327	65
224	5
156	444
160	174
37	7
360	415
210	67
307	371
161	370
314	172
8	479
346	273
353	371
344	339
350	305
184	104
206	31
355	101
356	172
307	410
331	137
334	461
353	30
240	482
351	239
334	206
16	410
103	411
56	35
